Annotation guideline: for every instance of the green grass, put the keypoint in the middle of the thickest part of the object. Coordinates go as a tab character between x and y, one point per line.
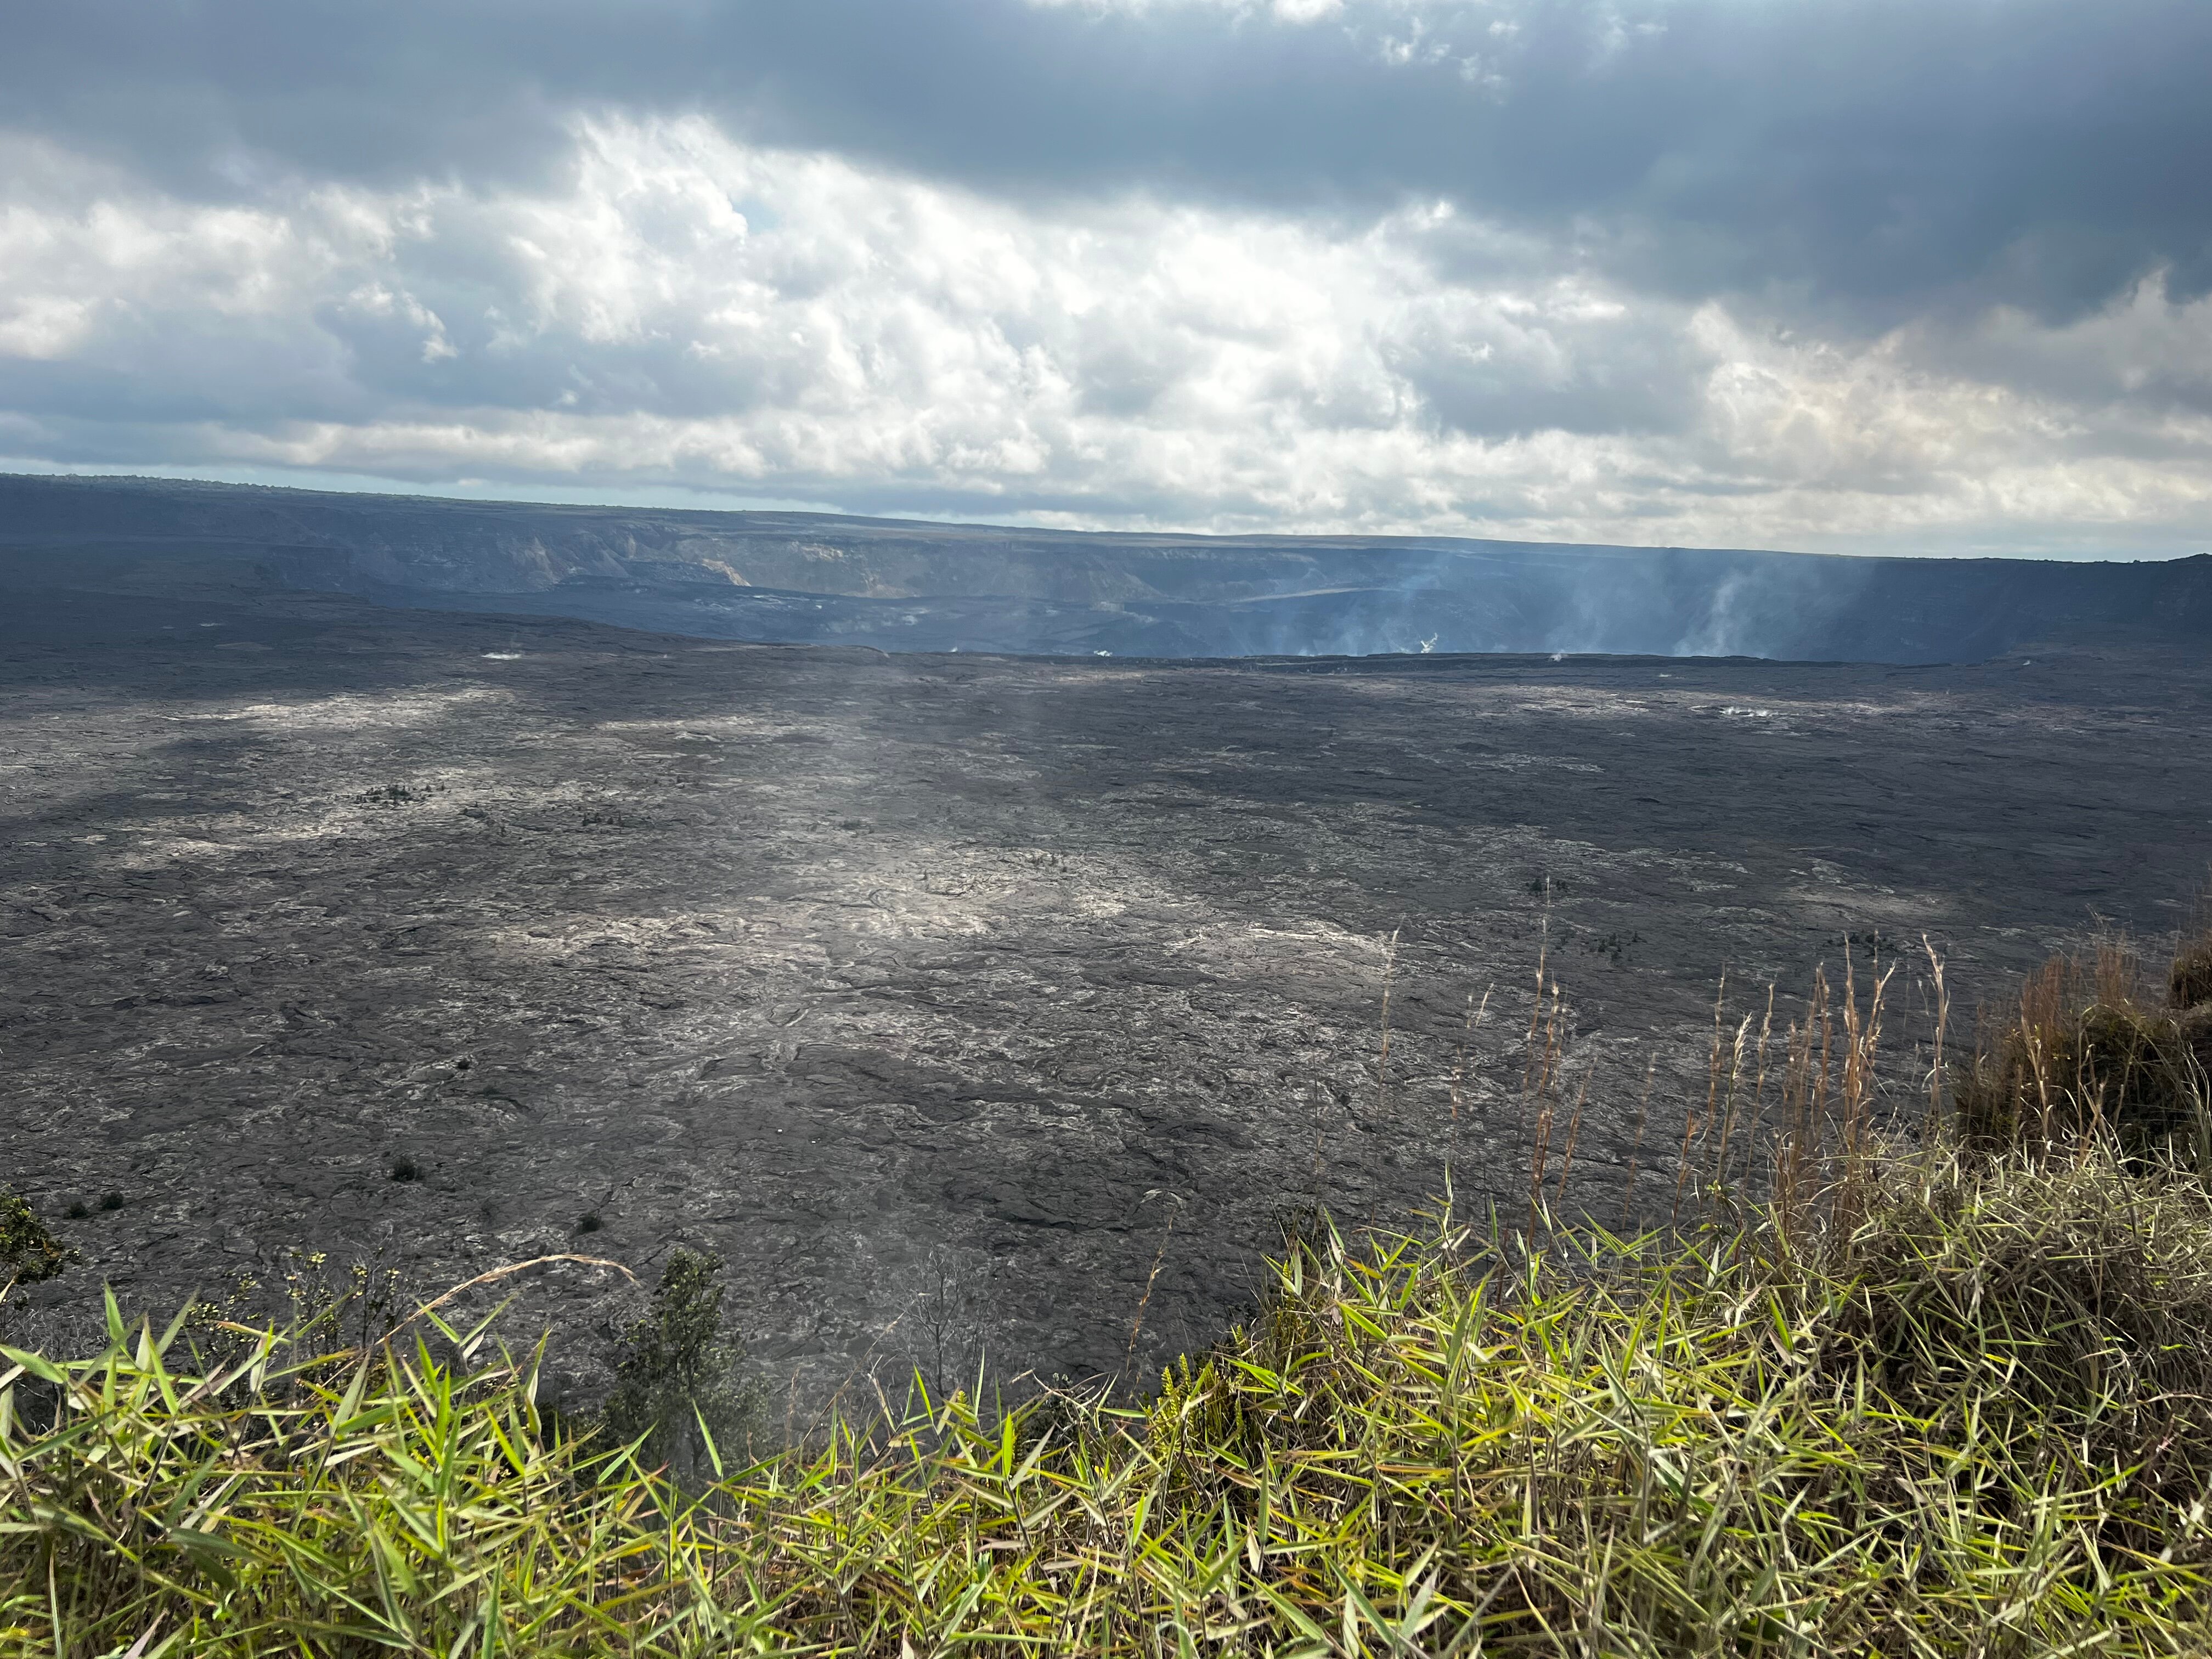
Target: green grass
1950	1398
1976	1423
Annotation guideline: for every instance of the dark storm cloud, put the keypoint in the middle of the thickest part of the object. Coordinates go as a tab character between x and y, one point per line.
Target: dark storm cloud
1842	273
1873	159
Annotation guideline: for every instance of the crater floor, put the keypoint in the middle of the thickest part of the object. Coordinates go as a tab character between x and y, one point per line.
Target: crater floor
954	1000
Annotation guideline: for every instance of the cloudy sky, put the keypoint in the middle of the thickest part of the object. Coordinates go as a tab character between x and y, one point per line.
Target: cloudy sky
1923	276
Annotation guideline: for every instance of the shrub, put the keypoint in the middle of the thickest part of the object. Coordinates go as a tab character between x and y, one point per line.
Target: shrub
2189	983
330	1316
29	1252
2057	1298
680	1388
2088	1049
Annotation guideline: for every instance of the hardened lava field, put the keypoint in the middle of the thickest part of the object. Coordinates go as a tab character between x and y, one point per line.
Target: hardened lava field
930	990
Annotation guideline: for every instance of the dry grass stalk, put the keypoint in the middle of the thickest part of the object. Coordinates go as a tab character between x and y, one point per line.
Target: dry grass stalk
2091	1045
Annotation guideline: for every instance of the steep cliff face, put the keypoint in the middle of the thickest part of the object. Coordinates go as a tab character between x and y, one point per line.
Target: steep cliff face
908	586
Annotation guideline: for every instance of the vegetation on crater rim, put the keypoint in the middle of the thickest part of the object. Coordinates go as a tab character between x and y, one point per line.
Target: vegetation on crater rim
1931	1394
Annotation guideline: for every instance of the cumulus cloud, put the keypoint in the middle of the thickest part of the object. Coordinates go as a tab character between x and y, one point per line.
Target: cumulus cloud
1823	275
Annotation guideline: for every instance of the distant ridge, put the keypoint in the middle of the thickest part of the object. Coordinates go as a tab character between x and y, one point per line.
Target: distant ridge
917	585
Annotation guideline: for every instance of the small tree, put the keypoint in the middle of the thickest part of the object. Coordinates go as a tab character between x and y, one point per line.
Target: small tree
683	1371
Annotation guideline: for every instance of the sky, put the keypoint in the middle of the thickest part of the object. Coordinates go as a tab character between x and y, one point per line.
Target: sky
1871	275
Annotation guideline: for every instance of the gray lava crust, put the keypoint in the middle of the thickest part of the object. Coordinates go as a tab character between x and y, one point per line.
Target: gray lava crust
927	989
